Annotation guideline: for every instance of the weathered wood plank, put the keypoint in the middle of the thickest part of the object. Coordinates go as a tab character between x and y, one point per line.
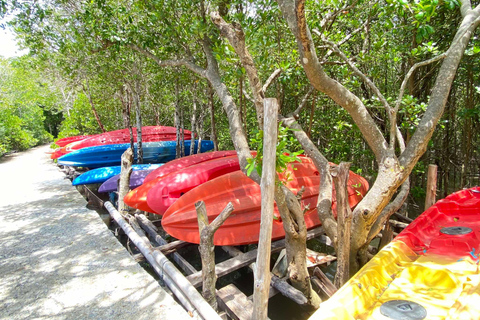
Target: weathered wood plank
245	259
322	281
235	303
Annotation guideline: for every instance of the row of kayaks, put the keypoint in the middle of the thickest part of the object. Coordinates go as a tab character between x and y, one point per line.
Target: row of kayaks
429	271
172	188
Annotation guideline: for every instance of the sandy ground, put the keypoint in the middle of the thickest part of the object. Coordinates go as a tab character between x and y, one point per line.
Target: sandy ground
58	260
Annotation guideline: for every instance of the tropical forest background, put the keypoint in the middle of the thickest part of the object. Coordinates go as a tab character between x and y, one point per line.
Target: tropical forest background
80	73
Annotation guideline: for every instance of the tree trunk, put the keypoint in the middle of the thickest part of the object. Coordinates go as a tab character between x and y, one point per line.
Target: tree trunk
211	104
267	186
94	110
194	118
178	148
138	115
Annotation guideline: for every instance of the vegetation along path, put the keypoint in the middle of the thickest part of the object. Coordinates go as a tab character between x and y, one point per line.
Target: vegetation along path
58	260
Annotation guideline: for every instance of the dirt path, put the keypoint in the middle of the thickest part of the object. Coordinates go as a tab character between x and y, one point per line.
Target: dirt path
57	258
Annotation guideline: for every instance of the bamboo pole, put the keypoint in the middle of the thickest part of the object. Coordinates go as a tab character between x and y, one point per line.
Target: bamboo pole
163	266
431	186
267	186
207	248
344	218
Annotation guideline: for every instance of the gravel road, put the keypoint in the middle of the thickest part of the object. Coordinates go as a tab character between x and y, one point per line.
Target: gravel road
58	260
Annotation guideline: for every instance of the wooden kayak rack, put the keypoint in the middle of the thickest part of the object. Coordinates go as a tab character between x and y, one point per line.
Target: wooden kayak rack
232	302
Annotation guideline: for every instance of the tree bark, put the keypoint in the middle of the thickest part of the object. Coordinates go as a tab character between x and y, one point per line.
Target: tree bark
207	248
94	110
262	275
138	116
213	132
431	186
124	181
344	223
178	149
194	119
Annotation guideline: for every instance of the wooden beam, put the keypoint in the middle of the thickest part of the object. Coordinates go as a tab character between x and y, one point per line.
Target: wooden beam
245	259
235	303
148	226
322	281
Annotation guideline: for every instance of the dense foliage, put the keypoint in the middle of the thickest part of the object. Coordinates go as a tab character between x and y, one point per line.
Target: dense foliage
29	106
89	45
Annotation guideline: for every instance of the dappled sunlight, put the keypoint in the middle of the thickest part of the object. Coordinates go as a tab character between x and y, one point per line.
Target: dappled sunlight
59	260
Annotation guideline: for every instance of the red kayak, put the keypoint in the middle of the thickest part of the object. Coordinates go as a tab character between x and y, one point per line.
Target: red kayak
64	141
137	198
181	163
169	188
243	226
149	134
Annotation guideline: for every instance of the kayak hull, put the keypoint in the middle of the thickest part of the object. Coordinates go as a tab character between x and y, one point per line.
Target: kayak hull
100	175
243	225
110	155
171	187
181	163
64	141
136	180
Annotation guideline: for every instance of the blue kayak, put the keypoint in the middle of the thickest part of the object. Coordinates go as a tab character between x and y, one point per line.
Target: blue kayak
110	155
101	175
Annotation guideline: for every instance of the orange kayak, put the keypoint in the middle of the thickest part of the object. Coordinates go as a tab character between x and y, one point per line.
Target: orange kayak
243	226
137	198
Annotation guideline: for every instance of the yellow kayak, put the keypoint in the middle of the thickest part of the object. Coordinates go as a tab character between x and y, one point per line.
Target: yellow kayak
429	271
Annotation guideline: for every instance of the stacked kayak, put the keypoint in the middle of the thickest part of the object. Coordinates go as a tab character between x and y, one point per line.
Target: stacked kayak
138	198
242	227
136	179
64	141
110	155
122	136
429	271
101	175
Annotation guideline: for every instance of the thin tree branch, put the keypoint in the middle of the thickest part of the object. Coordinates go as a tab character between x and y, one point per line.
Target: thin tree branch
409	74
270	79
170	63
247	96
302	105
359	73
236	37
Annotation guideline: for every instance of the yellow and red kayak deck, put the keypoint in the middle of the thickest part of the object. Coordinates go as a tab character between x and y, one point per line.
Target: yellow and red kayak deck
429	271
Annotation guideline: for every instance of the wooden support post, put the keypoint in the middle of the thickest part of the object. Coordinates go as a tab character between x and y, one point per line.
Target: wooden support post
344	219
206	248
267	185
124	181
431	186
